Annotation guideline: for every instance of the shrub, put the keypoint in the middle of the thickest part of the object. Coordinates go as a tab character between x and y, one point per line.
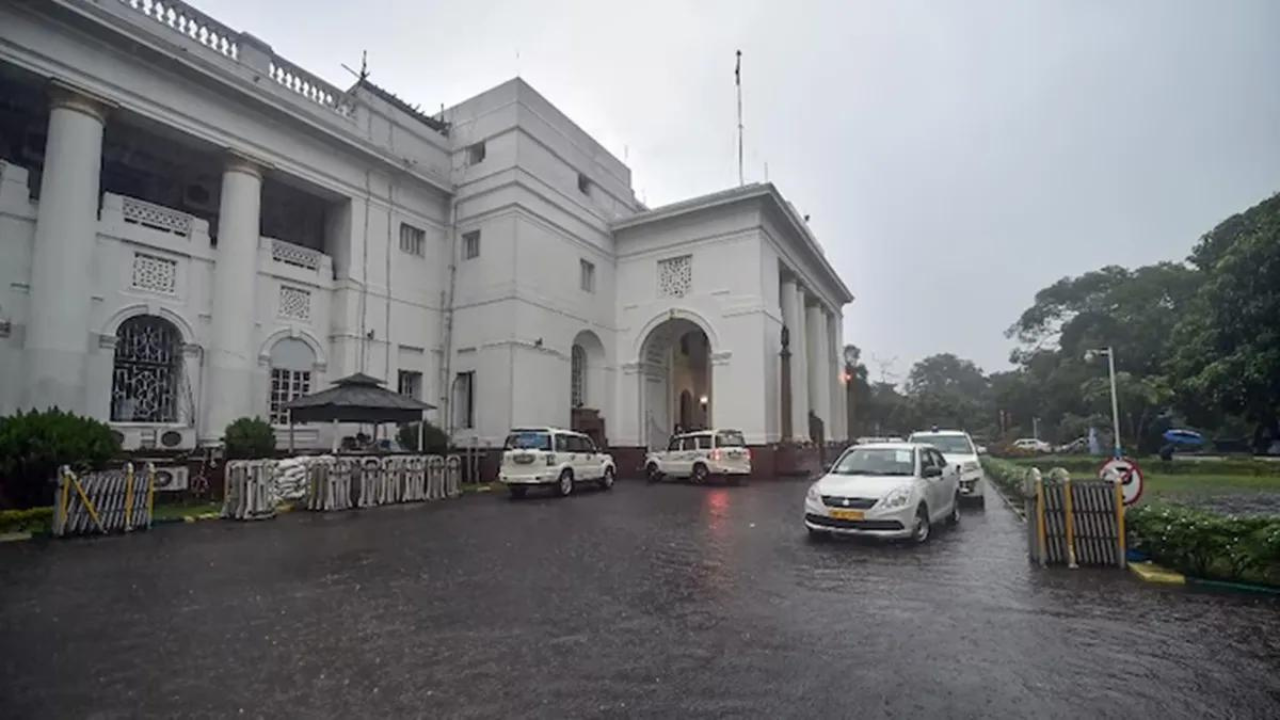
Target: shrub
249	438
437	441
1207	544
1007	475
34	445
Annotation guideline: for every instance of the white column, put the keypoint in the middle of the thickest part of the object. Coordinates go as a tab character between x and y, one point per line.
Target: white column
231	353
819	366
799	367
839	417
57	339
793	318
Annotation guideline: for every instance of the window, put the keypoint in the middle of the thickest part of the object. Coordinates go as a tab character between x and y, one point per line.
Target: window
675	276
730	438
587	275
471	245
674	444
475	154
578	376
409	382
146	371
704	442
155	274
292	361
584	184
464	400
413	240
562	443
528	440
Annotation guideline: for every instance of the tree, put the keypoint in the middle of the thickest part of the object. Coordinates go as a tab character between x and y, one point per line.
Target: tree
249	438
948	391
859	392
437	440
34	445
1227	357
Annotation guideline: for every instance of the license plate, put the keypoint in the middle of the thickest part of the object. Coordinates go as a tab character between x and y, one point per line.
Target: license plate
847	514
524	459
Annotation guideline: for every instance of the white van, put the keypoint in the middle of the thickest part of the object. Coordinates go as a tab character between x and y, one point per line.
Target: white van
701	455
552	457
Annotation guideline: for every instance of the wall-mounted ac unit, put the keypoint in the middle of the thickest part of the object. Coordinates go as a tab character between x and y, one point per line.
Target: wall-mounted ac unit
155	438
172	477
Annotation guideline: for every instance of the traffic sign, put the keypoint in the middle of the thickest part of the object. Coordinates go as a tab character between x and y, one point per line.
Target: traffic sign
1126	472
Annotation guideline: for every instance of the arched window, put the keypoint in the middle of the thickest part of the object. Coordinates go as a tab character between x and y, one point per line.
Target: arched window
291	363
147	371
578	376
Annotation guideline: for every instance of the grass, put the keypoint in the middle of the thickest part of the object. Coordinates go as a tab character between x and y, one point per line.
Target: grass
1180	478
181	510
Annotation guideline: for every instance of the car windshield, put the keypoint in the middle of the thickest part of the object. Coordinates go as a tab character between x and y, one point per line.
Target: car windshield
876	461
730	438
524	440
958	444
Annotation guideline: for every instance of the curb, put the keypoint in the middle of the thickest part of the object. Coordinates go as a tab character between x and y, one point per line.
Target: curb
14	537
1153	573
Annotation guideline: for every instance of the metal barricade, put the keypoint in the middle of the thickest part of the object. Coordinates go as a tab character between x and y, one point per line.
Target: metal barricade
249	493
414	479
453	477
103	502
1074	522
435	477
329	484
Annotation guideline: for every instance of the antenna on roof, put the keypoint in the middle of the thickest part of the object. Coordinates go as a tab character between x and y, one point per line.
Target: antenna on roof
737	80
364	67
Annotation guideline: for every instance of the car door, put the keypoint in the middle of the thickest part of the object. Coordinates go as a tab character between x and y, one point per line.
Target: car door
703	452
591	468
932	485
671	458
564	450
948	483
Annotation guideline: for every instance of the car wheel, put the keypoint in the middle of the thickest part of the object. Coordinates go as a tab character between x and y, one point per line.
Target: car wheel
652	474
565	486
920	532
606	480
517	491
700	474
818	535
954	518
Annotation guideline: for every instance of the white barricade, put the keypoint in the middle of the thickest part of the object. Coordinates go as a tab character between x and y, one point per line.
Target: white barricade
249	492
109	501
380	481
453	477
435	477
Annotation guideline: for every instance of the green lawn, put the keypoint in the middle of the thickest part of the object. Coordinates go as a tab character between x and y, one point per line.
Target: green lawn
1181	477
1164	485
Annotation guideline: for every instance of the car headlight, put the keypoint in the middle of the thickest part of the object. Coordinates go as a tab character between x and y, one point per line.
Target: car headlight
897	498
971	466
814	496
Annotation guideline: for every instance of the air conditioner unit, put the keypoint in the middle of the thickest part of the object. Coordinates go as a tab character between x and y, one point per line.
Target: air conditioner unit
172	478
155	438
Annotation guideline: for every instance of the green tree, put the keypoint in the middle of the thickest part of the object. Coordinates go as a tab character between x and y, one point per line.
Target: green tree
1227	357
948	391
437	440
249	438
34	445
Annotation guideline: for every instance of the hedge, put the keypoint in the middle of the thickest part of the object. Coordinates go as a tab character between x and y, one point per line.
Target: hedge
1209	545
36	519
1005	474
1082	466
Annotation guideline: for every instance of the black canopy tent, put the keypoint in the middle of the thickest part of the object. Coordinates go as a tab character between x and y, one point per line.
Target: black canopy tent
356	398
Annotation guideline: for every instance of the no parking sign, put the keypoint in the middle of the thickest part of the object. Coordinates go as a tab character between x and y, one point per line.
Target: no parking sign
1126	472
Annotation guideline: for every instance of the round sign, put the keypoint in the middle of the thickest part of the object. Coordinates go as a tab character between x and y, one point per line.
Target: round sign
1126	472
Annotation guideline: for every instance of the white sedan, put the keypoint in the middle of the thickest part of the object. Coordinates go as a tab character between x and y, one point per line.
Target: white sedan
888	490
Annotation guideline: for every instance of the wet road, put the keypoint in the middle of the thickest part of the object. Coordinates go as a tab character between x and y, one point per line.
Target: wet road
664	601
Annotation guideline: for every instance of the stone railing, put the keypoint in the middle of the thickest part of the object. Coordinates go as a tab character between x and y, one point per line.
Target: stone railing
244	49
296	255
309	86
156	217
184	19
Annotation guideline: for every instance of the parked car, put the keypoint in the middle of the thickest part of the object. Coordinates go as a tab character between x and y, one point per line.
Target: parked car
700	456
889	490
550	457
1033	445
958	449
1079	445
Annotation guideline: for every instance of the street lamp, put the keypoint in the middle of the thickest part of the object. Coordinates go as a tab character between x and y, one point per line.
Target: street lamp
1115	404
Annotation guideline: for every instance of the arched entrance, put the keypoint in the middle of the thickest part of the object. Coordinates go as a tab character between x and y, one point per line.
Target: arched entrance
675	390
587	387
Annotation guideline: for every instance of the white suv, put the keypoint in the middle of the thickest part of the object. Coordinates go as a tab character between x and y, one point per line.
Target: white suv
553	458
958	449
701	455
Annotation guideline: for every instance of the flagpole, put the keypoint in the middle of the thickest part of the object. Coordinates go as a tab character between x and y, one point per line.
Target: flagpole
737	78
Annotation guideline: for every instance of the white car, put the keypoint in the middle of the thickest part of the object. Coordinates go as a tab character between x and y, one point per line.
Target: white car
888	490
958	449
551	457
700	456
1033	445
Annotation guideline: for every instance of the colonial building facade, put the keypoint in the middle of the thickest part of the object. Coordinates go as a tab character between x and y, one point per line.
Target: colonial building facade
194	229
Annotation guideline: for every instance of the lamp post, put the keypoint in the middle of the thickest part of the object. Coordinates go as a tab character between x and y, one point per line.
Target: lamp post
850	362
1115	403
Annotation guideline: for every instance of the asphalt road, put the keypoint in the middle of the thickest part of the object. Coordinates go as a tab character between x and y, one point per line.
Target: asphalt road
663	601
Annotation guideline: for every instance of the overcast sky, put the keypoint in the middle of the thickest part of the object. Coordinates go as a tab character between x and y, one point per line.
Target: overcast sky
955	157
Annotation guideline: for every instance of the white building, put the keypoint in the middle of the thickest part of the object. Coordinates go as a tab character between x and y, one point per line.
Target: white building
192	230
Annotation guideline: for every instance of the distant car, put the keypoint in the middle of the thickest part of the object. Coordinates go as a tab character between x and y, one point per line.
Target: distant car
958	448
700	456
555	458
1079	445
1033	445
888	490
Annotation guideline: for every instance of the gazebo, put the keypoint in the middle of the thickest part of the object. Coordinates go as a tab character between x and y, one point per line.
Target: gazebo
356	398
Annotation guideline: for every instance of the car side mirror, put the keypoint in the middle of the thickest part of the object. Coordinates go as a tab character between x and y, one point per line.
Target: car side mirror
931	472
